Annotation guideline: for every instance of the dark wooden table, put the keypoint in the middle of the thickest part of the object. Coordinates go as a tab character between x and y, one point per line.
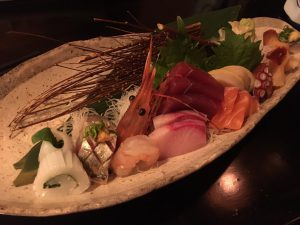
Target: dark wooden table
257	182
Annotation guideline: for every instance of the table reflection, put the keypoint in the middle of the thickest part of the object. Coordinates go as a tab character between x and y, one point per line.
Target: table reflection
229	183
246	180
230	192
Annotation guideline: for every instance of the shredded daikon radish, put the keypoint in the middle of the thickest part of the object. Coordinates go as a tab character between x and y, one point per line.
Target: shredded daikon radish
117	107
79	121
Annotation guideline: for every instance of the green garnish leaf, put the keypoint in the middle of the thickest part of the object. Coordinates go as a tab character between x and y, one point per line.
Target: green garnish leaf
100	107
212	21
179	49
180	25
285	34
182	48
29	165
45	134
235	50
93	129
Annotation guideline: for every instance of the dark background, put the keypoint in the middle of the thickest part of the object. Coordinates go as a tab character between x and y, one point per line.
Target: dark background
257	182
68	20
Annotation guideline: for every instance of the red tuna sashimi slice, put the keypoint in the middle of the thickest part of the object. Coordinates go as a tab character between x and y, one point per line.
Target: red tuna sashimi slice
168	118
179	138
199	102
230	96
240	110
181	85
193	87
199	81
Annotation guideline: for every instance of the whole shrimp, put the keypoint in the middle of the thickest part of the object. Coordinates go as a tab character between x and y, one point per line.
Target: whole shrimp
137	118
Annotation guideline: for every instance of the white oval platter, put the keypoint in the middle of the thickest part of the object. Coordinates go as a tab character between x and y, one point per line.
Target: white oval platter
22	84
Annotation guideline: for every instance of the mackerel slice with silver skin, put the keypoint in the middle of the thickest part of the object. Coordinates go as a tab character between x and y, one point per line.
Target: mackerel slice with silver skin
96	158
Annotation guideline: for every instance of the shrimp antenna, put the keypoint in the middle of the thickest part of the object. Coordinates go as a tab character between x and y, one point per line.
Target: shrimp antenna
124	23
36	35
113	70
136	20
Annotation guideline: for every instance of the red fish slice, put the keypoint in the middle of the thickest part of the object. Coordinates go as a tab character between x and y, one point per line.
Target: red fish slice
193	87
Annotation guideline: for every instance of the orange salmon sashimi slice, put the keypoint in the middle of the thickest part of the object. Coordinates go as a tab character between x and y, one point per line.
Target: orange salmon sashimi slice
254	106
230	96
238	115
236	107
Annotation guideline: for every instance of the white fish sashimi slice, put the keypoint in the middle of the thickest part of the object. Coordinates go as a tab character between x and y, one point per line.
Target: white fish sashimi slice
168	118
179	138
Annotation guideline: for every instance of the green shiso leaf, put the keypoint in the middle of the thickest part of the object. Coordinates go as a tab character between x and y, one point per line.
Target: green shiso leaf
182	48
180	25
235	50
212	21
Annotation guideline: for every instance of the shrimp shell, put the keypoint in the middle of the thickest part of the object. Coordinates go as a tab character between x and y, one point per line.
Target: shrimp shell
137	118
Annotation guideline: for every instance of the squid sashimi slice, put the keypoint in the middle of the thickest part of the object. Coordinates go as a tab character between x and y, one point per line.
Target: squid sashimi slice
67	152
60	172
230	96
199	102
169	118
179	138
57	177
209	86
134	154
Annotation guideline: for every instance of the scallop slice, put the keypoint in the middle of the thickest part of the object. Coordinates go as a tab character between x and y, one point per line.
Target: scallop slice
245	74
136	153
227	78
234	76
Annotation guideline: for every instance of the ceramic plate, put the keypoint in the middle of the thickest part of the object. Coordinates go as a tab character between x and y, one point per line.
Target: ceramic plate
25	82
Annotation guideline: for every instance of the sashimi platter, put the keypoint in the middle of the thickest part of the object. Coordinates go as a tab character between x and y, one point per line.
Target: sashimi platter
95	123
